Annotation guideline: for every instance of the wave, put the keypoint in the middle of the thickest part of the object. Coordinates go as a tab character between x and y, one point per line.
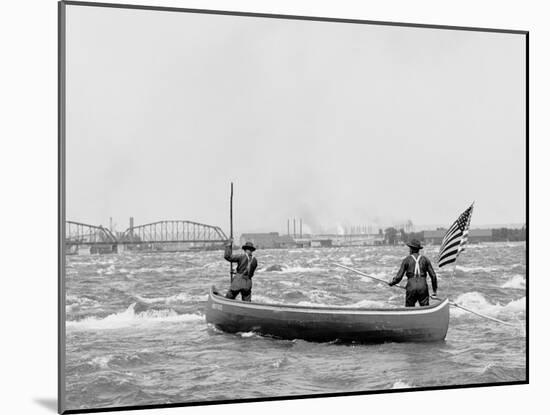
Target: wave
477	302
280	362
299	269
312	304
258	298
493	268
493	372
516	282
480	269
102	362
473	247
76	300
178	298
288	283
248	334
321	299
314	301
129	318
157	270
401	385
392	259
359	304
122	360
380	275
110	270
73	302
367	304
318	298
346	260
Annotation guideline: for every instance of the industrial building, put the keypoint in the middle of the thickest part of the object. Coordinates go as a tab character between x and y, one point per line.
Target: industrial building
273	240
321	243
268	240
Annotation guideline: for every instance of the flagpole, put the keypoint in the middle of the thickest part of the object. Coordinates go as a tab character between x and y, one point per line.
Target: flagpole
454	271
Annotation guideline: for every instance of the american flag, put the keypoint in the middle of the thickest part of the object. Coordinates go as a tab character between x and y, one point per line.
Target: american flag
455	238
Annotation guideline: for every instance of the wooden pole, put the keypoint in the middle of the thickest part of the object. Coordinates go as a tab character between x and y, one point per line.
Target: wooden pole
231	272
454	272
365	275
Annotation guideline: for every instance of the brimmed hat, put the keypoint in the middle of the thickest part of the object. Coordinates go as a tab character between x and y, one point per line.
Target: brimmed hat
414	243
249	245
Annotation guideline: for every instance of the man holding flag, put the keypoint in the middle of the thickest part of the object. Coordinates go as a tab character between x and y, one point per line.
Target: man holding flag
417	266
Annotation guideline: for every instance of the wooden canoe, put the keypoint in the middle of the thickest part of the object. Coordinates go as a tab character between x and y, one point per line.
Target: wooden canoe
322	324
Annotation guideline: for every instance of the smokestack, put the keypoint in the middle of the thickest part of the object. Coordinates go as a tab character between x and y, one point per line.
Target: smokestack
111	224
131	225
300	227
288	227
294	233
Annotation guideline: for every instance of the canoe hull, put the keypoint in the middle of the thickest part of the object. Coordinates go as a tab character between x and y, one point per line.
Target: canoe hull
322	324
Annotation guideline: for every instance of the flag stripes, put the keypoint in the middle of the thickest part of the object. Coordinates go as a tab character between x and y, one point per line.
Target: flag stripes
455	238
451	233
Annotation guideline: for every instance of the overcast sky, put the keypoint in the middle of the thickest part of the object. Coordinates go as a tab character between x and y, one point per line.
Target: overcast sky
339	124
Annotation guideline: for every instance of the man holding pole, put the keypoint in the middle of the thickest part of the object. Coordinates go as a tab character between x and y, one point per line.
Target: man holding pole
416	267
246	265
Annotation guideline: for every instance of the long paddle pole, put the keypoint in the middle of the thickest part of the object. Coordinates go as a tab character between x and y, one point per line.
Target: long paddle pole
364	275
231	272
400	286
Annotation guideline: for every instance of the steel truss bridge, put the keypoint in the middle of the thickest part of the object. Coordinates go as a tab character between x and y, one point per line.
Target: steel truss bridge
77	233
162	232
173	231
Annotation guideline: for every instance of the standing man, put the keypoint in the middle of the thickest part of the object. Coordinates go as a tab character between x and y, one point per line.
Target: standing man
246	265
416	267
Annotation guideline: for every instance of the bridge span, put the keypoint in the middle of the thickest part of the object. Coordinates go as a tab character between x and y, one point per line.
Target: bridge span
173	231
156	236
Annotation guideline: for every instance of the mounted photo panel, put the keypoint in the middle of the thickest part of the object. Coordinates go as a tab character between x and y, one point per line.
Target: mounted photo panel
257	207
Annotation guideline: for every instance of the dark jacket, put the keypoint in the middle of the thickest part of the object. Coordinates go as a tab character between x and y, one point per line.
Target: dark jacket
407	267
242	261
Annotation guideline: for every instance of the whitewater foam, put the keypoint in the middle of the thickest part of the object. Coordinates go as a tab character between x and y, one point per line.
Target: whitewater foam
367	304
401	385
129	318
380	275
178	298
494	268
299	269
102	362
257	298
288	283
516	282
277	364
346	260
74	302
110	270
477	302
312	304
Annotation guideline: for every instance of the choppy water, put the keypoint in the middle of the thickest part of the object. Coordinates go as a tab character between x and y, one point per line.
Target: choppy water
136	332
